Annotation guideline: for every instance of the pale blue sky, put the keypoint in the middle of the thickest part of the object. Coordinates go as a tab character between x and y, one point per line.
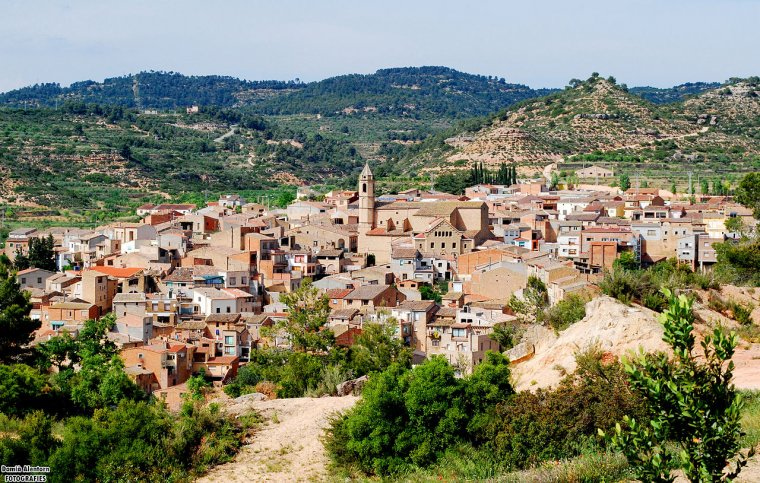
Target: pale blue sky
539	43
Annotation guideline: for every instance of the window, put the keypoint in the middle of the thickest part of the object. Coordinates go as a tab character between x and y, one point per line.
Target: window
432	245
436	343
454	245
443	244
458	333
233	280
229	340
39	279
229	351
228	309
218	310
23	280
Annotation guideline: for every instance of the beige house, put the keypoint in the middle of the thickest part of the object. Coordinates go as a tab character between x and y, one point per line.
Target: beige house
594	172
371	297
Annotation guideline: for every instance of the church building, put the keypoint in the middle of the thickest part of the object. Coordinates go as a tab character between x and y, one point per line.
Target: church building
440	228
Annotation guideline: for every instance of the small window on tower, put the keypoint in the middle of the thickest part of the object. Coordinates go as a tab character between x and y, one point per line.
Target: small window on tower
364	187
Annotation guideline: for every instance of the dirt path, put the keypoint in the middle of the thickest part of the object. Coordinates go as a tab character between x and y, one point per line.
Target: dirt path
227	134
288	446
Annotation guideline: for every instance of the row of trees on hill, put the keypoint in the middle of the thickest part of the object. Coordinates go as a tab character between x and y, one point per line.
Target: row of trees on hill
456	182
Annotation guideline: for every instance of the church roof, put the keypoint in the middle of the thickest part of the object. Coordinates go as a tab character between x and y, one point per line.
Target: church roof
366	172
444	208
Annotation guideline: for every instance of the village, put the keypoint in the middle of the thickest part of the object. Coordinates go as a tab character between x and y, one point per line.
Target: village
197	289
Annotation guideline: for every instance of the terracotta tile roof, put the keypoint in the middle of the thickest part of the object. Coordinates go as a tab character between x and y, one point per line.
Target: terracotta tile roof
29	270
445	208
343	314
117	272
222	360
366	292
237	293
180	274
416	305
192	325
338	293
223	318
129	297
403	252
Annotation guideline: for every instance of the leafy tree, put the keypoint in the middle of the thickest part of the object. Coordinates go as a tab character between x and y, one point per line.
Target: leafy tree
32	443
376	348
41	254
748	192
488	385
284	199
704	187
739	262
199	385
90	369
554	183
308	310
625	182
454	183
504	335
535	426
691	401
736	225
302	372
535	298
16	327
410	418
626	261
566	312
429	293
21	389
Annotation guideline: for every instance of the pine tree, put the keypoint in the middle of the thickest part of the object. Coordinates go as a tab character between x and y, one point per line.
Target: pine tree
16	326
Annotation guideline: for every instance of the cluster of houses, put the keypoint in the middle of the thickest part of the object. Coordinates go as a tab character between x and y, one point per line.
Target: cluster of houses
194	288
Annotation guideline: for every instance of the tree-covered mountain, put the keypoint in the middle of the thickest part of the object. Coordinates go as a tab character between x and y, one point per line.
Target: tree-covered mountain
413	91
673	94
150	90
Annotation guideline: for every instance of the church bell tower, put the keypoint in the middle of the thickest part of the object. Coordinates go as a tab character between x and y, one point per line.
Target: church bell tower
366	200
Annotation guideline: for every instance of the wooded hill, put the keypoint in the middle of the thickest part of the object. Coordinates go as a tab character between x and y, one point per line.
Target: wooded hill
717	131
413	91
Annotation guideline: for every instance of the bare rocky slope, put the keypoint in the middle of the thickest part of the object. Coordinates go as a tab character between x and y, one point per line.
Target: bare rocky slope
719	128
613	327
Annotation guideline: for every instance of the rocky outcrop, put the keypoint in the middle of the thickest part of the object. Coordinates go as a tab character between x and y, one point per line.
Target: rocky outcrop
352	387
609	325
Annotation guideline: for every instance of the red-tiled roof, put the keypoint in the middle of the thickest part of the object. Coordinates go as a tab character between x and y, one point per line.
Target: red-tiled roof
117	272
338	293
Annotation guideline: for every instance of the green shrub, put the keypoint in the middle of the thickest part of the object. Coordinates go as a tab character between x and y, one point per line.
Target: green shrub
532	427
410	418
566	312
21	389
695	409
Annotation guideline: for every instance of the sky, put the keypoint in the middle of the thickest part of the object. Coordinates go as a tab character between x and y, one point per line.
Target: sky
541	43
